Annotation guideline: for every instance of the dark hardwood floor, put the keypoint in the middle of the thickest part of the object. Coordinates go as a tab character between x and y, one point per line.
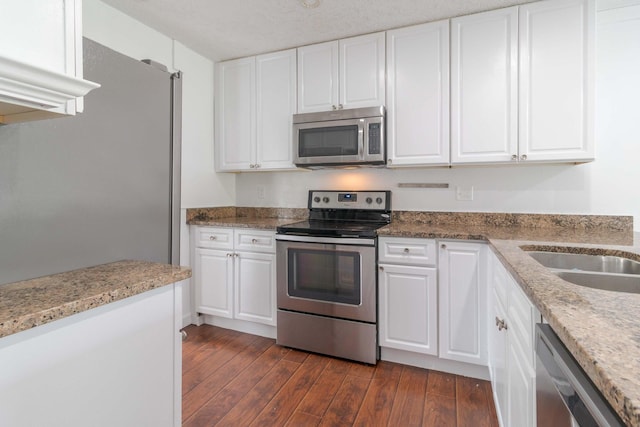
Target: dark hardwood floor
236	379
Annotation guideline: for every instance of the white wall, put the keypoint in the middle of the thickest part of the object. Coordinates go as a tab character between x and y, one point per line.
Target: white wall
201	186
607	186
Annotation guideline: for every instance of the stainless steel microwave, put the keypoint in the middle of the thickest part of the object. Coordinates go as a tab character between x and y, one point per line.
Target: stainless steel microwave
352	137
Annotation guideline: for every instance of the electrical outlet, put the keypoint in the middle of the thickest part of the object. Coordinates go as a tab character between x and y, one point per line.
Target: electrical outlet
261	192
464	193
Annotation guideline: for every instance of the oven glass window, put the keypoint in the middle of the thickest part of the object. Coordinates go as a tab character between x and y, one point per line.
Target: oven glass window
324	275
329	141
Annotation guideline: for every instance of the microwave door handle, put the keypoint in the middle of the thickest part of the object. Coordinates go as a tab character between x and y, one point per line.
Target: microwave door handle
360	142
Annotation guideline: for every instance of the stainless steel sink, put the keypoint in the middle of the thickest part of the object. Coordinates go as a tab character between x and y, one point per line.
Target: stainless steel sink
585	262
609	273
604	281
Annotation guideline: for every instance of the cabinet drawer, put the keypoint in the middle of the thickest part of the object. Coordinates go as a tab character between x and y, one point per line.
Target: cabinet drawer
218	238
407	251
255	240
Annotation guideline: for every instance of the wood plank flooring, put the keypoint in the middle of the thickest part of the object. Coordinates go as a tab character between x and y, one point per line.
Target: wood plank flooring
236	379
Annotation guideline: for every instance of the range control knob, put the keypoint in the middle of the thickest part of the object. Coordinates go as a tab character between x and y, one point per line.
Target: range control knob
316	199
379	200
325	199
369	200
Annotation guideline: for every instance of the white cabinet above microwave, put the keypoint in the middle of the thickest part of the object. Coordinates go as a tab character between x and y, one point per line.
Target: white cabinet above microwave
347	73
41	60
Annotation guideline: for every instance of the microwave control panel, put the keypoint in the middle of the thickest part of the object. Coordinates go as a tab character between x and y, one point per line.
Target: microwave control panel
374	138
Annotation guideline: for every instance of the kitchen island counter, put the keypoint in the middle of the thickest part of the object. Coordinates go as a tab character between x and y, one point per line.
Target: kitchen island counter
35	302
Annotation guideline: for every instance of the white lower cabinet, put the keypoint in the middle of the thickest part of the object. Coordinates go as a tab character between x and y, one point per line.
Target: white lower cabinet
409	308
512	320
462	301
254	287
432	304
235	276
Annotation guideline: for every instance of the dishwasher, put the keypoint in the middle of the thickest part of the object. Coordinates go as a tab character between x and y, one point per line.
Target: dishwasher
565	396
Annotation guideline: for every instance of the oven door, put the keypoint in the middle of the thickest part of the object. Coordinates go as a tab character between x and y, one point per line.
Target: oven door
333	277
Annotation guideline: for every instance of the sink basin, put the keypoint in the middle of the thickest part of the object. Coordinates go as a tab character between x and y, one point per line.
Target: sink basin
607	282
585	262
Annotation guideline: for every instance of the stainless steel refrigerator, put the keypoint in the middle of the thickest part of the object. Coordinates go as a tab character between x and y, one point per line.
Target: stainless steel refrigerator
98	187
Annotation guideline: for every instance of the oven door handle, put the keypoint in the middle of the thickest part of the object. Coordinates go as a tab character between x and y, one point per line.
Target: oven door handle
328	240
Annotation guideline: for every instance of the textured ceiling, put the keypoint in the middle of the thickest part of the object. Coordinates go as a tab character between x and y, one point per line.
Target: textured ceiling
225	29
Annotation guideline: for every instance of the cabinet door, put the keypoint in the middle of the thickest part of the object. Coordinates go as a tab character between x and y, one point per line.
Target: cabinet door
276	104
484	87
463	331
318	77
557	80
214	282
408	308
40	28
362	71
235	114
521	392
418	95
254	284
497	356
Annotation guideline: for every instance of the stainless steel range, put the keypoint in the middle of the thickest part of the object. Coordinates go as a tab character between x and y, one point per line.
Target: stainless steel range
326	275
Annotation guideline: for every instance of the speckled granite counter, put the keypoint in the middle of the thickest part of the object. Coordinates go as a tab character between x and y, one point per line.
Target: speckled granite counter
257	223
30	303
600	328
259	218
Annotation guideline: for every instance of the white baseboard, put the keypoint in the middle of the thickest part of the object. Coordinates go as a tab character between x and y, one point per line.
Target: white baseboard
260	329
434	363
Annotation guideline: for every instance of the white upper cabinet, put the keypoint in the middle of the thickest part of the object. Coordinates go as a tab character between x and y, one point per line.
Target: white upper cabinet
348	73
362	71
276	104
557	67
255	102
537	109
318	77
484	87
418	95
235	112
41	59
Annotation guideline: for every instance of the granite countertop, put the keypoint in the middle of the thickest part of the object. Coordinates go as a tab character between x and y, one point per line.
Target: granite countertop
259	218
257	223
31	303
600	328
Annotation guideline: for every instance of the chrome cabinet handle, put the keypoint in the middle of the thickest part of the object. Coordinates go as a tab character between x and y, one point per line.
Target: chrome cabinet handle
212	237
381	268
443	246
254	241
406	250
523	157
501	324
333	107
514	157
236	255
340	106
229	255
